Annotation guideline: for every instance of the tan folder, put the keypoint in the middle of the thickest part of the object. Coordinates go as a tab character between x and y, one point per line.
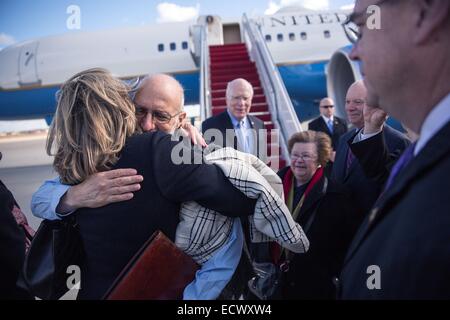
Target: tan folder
158	271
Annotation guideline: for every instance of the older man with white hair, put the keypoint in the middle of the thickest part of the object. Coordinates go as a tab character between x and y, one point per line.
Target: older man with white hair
236	121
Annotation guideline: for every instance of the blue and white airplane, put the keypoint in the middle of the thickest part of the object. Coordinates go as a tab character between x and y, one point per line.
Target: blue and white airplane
301	43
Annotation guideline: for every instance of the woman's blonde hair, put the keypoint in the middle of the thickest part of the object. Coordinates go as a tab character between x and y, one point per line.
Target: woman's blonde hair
320	139
93	119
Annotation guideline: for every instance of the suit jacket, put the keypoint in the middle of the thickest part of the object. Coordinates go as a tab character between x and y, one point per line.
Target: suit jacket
407	233
12	248
364	190
114	233
339	128
222	122
311	274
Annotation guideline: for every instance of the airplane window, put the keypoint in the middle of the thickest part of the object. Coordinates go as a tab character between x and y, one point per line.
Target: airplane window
280	37
184	45
326	34
173	46
292	36
160	47
303	35
268	37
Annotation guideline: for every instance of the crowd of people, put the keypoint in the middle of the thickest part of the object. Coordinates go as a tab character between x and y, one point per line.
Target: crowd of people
361	211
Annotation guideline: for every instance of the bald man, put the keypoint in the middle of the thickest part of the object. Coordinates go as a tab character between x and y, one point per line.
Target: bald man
346	168
159	101
328	123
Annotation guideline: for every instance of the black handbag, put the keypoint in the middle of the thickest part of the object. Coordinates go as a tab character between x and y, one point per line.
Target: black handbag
56	245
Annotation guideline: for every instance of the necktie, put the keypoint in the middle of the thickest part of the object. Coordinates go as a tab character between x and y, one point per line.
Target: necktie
350	158
242	136
406	157
330	125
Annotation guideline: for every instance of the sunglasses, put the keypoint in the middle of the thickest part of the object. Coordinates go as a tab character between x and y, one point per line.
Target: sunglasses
326	107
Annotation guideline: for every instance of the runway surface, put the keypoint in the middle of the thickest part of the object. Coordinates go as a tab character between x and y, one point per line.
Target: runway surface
24	167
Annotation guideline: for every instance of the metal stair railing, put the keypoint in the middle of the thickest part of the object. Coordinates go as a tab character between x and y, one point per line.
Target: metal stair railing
282	111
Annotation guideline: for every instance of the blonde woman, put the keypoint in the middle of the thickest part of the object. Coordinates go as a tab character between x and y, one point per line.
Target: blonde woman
94	130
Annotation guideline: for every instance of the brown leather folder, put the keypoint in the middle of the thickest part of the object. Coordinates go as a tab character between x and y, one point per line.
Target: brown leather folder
158	271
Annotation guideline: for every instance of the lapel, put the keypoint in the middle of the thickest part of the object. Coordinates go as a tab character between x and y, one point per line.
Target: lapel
437	148
323	125
231	140
251	121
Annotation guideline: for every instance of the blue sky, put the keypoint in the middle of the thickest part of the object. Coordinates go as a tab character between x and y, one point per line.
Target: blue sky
24	19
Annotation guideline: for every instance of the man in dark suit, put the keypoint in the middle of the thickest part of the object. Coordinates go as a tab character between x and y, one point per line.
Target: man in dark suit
346	168
328	123
235	127
401	250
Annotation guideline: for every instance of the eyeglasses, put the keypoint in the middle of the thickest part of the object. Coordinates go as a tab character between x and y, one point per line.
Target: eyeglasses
352	29
327	107
304	156
355	101
159	116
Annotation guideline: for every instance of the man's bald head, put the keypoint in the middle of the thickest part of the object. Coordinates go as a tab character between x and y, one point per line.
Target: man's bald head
162	94
163	86
354	103
326	107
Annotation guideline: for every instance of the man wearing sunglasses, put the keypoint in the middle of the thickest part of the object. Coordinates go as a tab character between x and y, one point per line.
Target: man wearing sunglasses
402	248
328	123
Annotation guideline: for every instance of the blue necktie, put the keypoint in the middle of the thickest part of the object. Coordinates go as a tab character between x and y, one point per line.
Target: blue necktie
406	157
330	125
242	135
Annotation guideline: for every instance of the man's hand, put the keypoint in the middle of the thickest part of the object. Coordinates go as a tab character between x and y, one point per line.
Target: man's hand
100	189
192	132
374	119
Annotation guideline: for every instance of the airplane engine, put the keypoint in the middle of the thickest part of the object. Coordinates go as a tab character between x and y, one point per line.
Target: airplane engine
341	73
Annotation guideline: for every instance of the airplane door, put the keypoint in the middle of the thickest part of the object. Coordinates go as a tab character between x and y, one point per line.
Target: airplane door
214	25
27	64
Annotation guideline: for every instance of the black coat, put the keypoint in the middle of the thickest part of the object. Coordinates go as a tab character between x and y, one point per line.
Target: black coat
364	191
407	234
12	248
113	234
311	274
339	128
222	122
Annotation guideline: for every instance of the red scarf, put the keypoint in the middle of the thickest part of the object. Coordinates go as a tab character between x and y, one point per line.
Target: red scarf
288	178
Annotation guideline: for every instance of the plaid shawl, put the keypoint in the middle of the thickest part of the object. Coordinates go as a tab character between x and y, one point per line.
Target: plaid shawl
201	231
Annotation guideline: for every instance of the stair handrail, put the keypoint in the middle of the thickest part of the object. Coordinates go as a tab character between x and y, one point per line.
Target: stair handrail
205	93
280	105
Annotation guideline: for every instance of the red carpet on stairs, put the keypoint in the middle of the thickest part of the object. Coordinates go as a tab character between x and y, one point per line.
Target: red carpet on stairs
228	62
